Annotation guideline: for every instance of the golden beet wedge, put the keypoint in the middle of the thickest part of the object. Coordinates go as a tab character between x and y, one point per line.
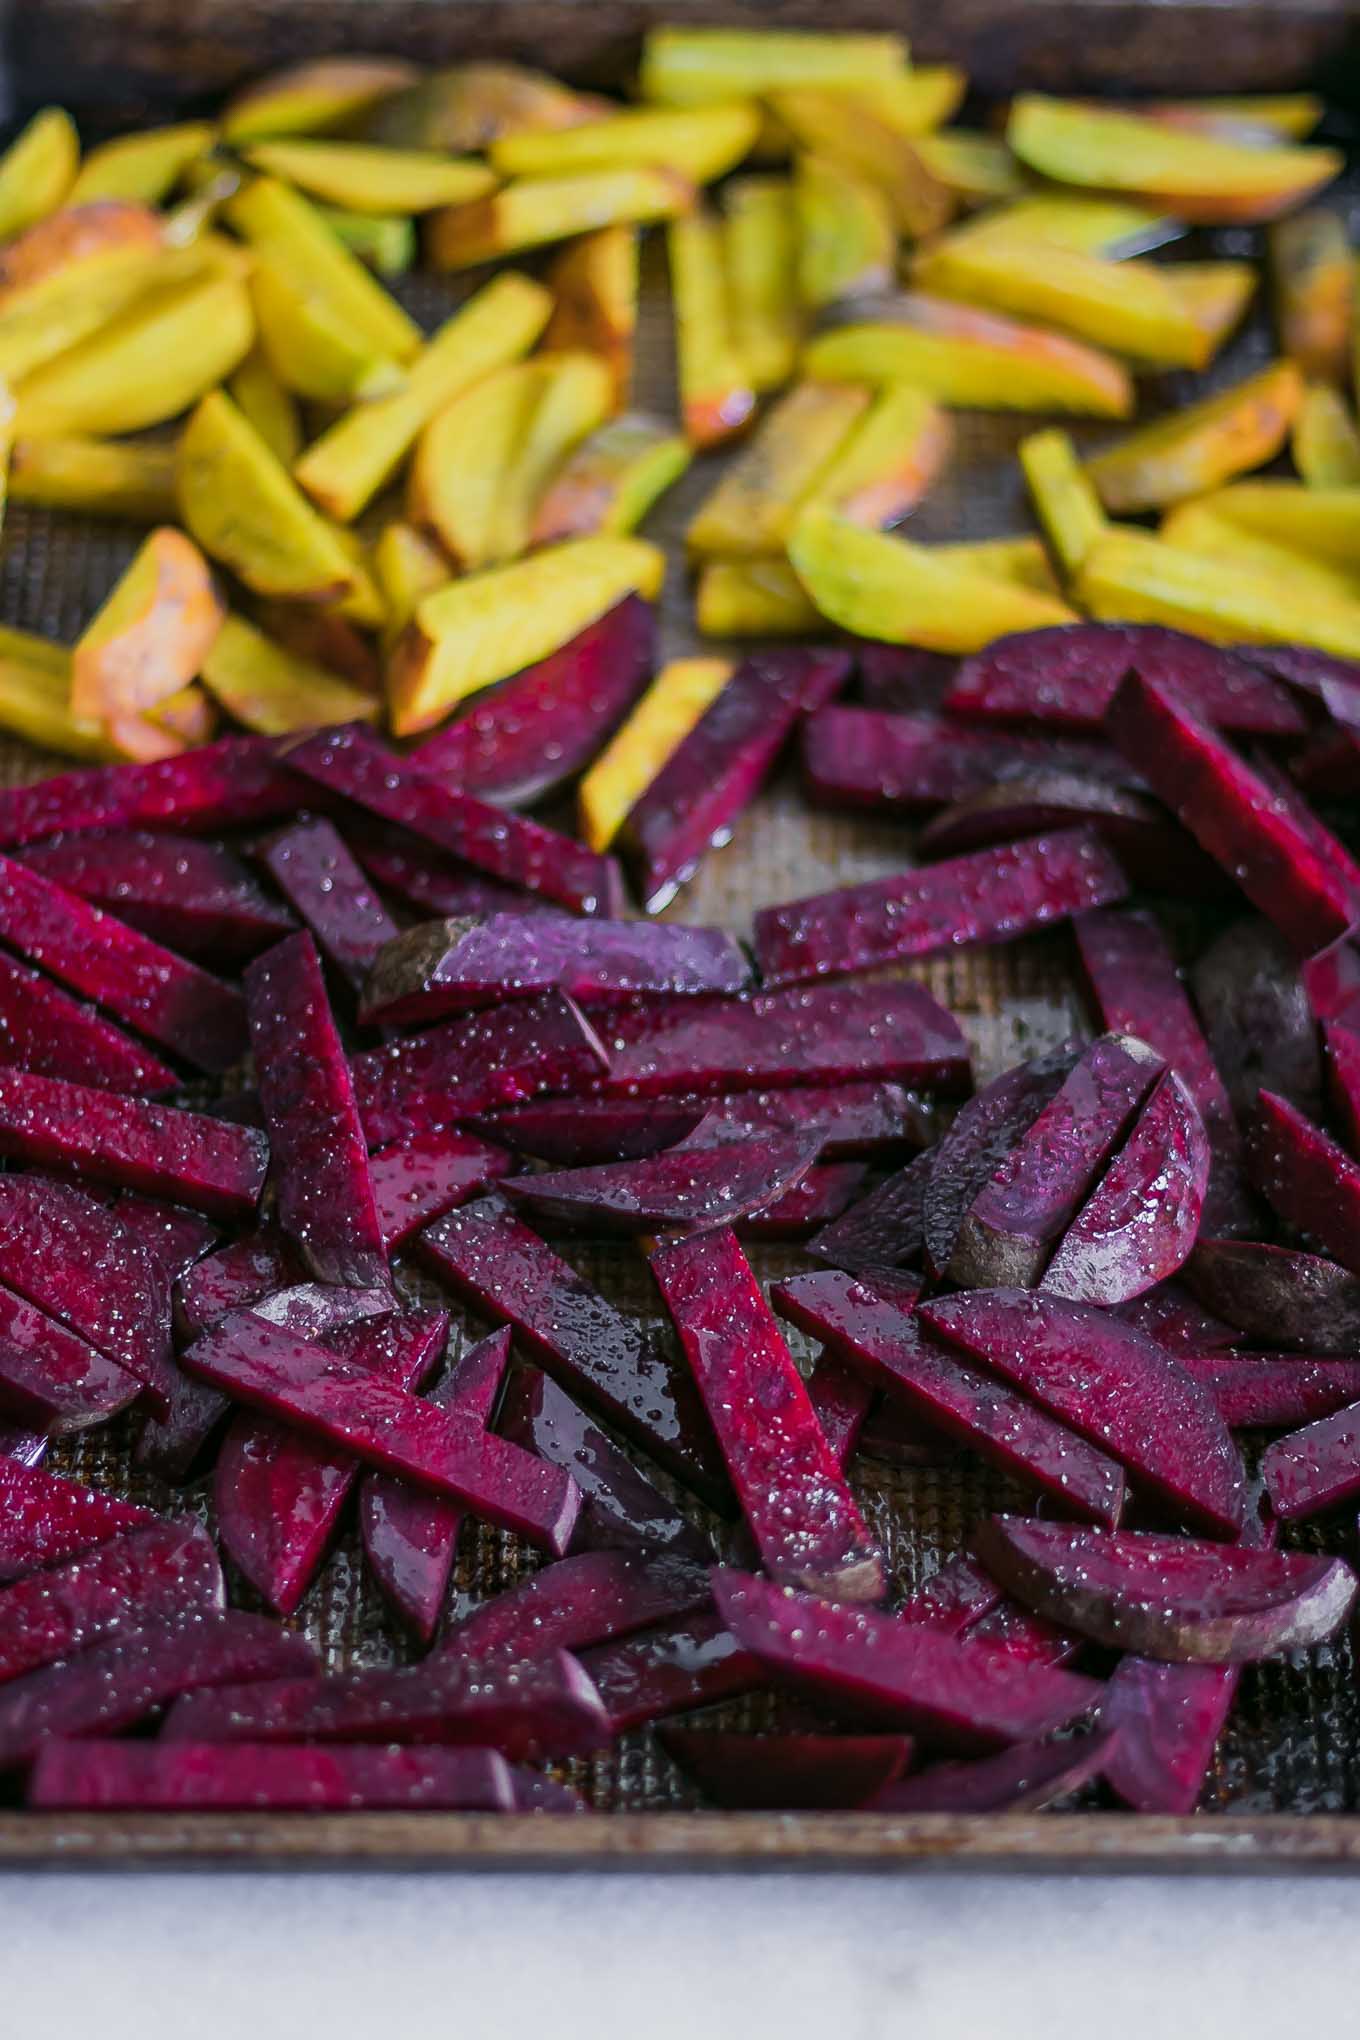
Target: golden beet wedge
847	244
916	101
695	66
885	587
1197	527
188	718
367	179
1314	273
462	459
594	283
1215	295
261	397
407	567
716	397
132	478
753	506
284	228
1323	523
150	636
1132	577
466	107
1190	451
309	348
571	398
540	210
889	460
37	171
612	480
145	167
345	468
837	125
1022	561
972	358
480	630
753	599
35	700
1086	222
1325	442
760	226
701	143
977	168
667	712
1196	176
314	98
71	273
1064	500
266	688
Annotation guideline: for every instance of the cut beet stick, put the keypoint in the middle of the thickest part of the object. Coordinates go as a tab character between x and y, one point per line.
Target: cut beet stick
718	769
908	764
868	1321
882	1230
809	1207
1316	1468
430	882
416	1181
1113	1385
319	1158
231	784
521	741
805	1521
194	897
348	1406
1311	1182
452	966
357	766
473	1065
577	1133
501	1267
688	1189
1273	1391
987	1128
1017	1781
588	1599
671	1670
313	869
45	1520
161	1570
237	1274
196	1160
954	1598
988	896
956	1694
902	678
852	1119
53	1379
410	1537
1277	1297
173	1002
43	1029
244	1777
1170	1315
173	1236
1232	814
779	1773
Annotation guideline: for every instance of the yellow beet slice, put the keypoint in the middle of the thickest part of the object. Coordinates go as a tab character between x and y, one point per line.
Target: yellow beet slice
190	717
35	699
260	396
571	397
1132	577
964	356
1197	176
476	631
889	460
1085	222
1065	502
146	167
594	283
1021	561
540	210
886	587
701	143
753	599
694	66
462	459
977	168
284	228
37	170
407	567
847	244
1290	115
1325	442
838	125
914	101
468	106
101	477
716	397
266	688
1321	522
309	348
1195	449
630	761
151	634
1314	275
760	227
310	98
1215	295
367	179
68	275
1198	528
345	468
612	480
753	506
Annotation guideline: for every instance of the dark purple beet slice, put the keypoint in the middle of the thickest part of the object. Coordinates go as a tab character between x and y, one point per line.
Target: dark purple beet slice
989	896
1016	1220
134	1577
812	1204
1156	855
279	1495
719	768
1342	1060
116	1684
194	897
902	677
314	870
829	1034
45	1520
953	1693
453	966
346	1405
623	1509
172	1001
190	1157
243	1777
955	1597
42	1028
576	1132
1021	1780
1167	1720
53	1379
988	1127
907	764
410	1537
496	1263
230	784
473	1065
688	1189
590	1598
1173	1598
1260	1028
174	1237
1171	1316
778	1773
318	1153
1069	676
1310	1181
842	1401
237	1274
868	1320
1113	1385
521	741
416	1181
884	1229
419	876
1316	1468
805	1521
1270	1392
1232	814
356	765
1277	1297
852	1119
672	1670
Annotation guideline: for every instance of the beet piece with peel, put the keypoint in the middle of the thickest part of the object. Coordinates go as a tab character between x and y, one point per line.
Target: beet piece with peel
671	1670
1112	1385
357	766
473	1065
43	1029
588	1599
197	898
1310	1181
525	739
1274	1392
688	1189
421	878
501	1267
52	1378
989	895
410	1537
1257	1018
1021	1780
314	870
1232	814
1069	676
1315	1468
416	1181
1173	1598
173	1236
886	1229
45	1520
189	1157
1016	1220
986	1130
852	1119
134	1577
810	1206
244	1777
234	783
952	1693
785	1773
868	1320
910	763
453	966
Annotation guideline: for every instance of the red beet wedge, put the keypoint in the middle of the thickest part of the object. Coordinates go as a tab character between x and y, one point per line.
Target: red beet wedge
886	1229
236	1275
1310	1181
842	1401
431	883
45	1520
852	1119
173	1236
1021	1780
139	1575
671	1670
576	1133
1316	1468
244	1777
1170	1315
51	1378
1152	851
194	897
688	1189
903	678
777	1773
43	1029
907	764
1276	1297
231	784
955	1598
986	1130
809	1207
588	1599
416	1181
313	869
1273	1391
